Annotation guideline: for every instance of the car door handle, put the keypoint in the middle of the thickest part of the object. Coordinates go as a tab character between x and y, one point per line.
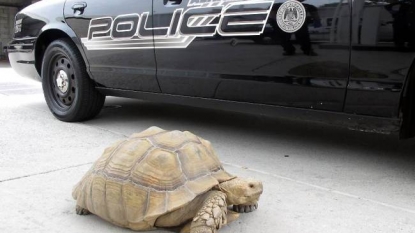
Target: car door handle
79	7
172	2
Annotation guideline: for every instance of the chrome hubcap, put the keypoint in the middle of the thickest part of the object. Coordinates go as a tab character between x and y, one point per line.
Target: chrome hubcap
62	81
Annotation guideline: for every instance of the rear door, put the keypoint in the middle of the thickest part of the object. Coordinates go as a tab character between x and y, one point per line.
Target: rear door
249	51
383	51
109	32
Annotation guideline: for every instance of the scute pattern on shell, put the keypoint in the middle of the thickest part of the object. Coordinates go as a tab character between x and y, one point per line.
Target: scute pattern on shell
147	175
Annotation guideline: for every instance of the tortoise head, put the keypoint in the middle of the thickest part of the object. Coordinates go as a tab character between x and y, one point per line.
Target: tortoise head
243	194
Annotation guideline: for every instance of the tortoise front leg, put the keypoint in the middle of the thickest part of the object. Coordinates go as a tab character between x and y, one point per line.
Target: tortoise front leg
230	217
212	215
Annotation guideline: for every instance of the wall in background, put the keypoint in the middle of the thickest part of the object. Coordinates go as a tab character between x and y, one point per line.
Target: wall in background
7	15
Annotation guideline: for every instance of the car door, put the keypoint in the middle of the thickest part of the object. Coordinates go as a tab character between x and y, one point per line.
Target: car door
383	51
108	31
257	51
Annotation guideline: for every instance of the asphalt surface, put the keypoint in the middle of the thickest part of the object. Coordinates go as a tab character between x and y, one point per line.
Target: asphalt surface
317	178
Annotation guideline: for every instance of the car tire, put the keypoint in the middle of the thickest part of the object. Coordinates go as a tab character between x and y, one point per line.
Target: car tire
69	92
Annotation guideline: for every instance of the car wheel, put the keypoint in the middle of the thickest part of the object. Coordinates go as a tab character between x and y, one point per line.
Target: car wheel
69	92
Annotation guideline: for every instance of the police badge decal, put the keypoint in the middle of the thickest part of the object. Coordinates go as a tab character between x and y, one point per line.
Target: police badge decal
291	16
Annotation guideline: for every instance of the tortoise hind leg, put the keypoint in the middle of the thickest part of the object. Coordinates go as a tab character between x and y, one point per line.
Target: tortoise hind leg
212	215
81	211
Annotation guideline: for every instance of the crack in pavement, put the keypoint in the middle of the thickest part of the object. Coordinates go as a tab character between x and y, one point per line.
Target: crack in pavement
46	172
103	129
323	188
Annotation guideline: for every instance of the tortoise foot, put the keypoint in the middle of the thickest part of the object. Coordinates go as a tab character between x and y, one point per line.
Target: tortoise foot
81	211
203	229
245	208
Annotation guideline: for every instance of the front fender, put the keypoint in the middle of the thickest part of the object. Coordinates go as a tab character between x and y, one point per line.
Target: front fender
36	26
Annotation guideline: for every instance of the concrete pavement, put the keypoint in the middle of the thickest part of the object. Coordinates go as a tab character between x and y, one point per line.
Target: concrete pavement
316	178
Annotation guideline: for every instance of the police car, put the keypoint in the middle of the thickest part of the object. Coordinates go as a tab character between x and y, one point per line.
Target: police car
320	62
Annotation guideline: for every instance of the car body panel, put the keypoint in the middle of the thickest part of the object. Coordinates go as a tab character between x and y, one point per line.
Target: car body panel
249	68
22	57
123	69
382	53
360	69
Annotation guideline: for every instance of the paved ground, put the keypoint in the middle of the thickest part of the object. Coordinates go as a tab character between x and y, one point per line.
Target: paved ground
316	178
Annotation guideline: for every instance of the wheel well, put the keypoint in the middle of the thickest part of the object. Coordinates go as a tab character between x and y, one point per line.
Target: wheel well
43	42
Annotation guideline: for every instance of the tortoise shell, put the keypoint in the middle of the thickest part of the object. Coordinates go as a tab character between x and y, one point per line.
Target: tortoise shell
148	175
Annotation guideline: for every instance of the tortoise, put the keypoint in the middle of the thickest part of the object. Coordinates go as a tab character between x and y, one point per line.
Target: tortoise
160	178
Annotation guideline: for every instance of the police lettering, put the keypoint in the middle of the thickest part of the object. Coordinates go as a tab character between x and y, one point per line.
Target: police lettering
200	21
